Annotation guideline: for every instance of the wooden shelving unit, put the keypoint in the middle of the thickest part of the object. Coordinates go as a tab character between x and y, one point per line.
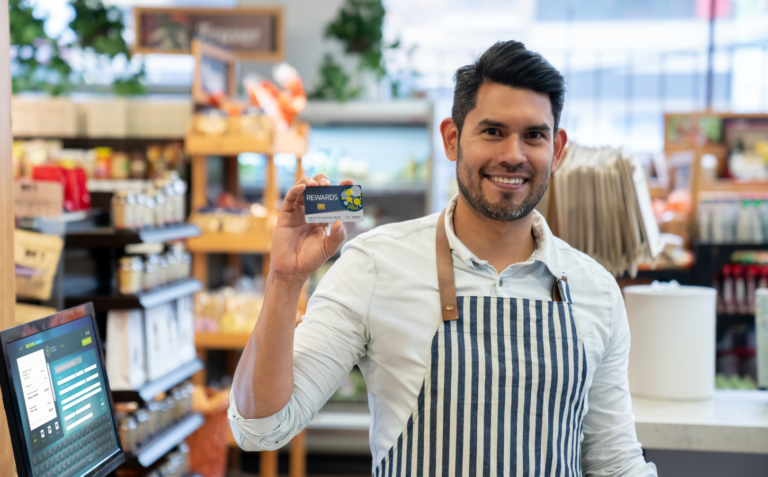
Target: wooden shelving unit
228	147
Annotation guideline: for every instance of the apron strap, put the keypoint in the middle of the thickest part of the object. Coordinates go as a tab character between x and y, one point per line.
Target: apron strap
445	273
446	282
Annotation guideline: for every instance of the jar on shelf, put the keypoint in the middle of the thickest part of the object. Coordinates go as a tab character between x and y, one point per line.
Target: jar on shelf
166	186
138	165
160	218
170	406
127	426
179	411
147	209
173	267
179	187
155	410
150	273
130	276
164	271
121	212
142	425
120	166
101	167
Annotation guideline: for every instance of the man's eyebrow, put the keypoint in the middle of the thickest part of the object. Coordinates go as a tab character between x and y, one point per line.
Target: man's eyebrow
489	123
540	127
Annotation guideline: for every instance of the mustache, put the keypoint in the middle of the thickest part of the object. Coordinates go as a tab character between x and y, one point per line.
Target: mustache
513	169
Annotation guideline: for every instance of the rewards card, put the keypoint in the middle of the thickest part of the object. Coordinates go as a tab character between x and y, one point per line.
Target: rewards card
327	204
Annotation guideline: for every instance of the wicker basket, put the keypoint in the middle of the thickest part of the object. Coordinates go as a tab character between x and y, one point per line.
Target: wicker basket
208	448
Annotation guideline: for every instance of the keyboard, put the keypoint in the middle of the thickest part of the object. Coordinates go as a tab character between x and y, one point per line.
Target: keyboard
77	452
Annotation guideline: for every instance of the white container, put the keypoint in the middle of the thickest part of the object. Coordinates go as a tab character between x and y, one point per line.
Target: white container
761	332
672	355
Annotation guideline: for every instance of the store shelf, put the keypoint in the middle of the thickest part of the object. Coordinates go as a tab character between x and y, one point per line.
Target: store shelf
231	243
223	341
106	237
150	390
150	452
113	185
147	299
684	276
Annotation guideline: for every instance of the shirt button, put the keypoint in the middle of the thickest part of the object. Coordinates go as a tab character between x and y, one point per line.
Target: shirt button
501	282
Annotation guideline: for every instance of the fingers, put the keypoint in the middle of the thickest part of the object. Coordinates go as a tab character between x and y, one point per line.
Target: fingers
322	179
334	239
295	193
346	182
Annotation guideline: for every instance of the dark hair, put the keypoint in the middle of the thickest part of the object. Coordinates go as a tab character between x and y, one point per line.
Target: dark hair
511	64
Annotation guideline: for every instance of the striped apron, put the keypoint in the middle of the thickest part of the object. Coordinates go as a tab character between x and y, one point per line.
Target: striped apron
504	389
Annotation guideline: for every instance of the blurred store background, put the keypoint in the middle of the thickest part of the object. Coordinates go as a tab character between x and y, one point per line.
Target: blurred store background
151	156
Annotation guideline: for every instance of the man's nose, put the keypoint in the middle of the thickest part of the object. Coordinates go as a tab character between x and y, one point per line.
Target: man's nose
513	151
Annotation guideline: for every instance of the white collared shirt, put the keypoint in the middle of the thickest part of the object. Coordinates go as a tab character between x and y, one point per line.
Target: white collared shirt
379	307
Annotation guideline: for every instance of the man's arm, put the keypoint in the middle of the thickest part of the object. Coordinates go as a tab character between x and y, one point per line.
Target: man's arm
610	446
326	345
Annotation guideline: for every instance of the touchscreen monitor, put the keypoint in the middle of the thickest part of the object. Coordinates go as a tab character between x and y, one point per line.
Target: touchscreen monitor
57	397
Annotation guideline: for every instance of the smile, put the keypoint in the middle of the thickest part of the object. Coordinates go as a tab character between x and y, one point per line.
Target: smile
508	180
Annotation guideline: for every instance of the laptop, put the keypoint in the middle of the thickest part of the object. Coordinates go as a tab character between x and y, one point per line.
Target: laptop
57	397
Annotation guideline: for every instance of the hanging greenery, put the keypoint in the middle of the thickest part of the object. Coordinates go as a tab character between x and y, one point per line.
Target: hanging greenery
40	62
38	65
359	28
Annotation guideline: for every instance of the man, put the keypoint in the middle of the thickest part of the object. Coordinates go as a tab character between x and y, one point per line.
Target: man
489	346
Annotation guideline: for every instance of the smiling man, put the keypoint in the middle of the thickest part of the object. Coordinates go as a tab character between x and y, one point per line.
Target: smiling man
489	346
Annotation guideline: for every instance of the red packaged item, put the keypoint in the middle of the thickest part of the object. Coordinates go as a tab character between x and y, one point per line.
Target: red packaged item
739	289
729	301
763	283
76	195
752	272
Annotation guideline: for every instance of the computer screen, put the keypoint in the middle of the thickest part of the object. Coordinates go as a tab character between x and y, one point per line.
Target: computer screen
64	409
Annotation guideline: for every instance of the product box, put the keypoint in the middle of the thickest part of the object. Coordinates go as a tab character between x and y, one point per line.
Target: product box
159	350
167	119
36	257
43	117
125	349
106	118
185	346
761	335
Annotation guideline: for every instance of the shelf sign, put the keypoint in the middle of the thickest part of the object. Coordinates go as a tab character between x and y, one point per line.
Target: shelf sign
250	33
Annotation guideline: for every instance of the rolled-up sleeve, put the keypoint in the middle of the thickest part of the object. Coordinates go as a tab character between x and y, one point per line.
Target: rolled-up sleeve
330	340
610	446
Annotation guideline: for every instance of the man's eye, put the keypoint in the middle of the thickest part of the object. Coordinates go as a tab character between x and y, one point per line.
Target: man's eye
493	132
535	135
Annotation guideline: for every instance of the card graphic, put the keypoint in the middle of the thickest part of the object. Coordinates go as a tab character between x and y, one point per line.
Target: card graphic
327	204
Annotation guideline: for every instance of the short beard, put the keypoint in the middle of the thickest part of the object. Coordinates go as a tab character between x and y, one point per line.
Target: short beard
504	210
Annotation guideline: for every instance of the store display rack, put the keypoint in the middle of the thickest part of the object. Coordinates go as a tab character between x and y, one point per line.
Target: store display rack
153	450
154	388
148	299
127	144
108	237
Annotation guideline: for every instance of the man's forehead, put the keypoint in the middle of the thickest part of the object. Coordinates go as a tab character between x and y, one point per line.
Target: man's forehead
504	103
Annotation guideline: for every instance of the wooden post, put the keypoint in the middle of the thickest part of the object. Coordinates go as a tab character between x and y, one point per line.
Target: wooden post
7	285
199	182
271	189
297	466
268	464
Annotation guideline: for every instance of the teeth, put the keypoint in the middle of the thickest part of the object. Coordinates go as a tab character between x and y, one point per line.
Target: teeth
504	180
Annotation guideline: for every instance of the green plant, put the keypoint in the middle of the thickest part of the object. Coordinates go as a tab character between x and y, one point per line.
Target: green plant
37	65
100	28
358	27
334	82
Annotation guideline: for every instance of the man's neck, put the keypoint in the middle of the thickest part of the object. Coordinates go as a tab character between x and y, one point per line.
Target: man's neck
501	244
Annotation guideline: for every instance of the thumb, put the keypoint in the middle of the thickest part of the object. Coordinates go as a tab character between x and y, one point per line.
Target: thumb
334	239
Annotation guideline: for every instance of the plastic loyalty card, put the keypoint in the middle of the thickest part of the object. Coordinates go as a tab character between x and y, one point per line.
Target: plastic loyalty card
332	203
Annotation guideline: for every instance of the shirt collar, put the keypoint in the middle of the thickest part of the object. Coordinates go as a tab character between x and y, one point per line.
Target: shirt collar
545	250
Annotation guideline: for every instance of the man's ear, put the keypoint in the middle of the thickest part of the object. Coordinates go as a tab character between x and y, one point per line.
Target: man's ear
450	134
561	139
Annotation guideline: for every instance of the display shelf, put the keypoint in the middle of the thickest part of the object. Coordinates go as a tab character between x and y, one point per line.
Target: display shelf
683	276
150	390
710	258
150	452
231	243
106	237
114	185
221	341
148	299
292	141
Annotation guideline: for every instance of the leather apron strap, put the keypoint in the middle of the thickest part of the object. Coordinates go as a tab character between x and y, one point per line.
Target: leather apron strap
445	280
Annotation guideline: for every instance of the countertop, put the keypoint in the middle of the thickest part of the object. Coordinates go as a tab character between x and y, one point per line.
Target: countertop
732	421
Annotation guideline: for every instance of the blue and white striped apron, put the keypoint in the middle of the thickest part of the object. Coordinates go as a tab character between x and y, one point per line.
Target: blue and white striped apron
503	393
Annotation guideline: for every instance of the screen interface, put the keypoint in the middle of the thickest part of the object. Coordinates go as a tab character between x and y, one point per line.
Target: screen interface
59	381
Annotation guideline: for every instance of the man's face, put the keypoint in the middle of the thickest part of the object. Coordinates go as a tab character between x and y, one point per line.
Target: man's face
506	151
